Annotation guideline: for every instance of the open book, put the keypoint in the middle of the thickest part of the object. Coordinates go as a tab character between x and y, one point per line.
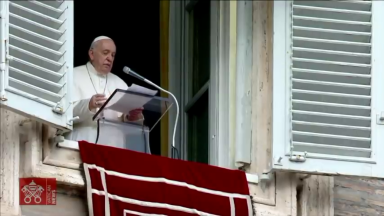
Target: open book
124	102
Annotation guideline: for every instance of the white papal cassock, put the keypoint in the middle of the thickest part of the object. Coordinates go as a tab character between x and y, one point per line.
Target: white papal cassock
86	82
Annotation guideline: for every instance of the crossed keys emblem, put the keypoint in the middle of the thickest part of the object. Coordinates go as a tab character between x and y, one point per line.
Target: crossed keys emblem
32	190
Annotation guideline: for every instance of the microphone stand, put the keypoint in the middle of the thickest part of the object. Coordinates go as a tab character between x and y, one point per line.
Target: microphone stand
174	151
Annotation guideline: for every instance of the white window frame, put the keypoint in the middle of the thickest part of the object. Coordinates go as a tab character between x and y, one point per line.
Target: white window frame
281	62
28	105
210	85
178	75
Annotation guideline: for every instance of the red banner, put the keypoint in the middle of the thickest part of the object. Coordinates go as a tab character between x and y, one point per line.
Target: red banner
37	191
121	182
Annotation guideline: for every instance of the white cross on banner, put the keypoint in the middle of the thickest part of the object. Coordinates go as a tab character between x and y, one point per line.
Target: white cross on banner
122	182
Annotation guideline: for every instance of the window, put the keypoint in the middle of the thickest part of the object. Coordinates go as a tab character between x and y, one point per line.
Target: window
327	96
199	78
197	84
37	48
193	77
198	120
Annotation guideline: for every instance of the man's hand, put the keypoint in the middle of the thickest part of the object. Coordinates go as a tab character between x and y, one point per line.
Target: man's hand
97	101
136	114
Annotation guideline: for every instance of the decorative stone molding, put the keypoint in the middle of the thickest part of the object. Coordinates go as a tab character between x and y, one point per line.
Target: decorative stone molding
45	160
9	162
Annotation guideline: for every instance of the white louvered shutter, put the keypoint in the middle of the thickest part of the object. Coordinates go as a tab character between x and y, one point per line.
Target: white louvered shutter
39	65
329	87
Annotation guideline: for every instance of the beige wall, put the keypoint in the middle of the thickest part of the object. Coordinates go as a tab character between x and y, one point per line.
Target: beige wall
286	194
18	145
358	196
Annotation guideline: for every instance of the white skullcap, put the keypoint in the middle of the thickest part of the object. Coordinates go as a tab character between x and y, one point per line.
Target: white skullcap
98	39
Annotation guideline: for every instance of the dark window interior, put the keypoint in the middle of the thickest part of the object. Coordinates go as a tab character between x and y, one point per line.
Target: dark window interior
198	115
135	28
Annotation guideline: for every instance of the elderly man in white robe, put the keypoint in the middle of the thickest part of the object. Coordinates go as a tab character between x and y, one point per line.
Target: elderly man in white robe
93	83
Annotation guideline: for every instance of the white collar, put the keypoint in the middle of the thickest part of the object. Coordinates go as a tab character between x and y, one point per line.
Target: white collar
92	70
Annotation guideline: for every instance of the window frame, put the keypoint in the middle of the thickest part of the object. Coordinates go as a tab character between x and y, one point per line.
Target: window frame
188	99
281	92
179	70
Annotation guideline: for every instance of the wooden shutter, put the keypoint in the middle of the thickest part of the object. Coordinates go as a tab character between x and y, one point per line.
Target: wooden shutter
330	52
39	46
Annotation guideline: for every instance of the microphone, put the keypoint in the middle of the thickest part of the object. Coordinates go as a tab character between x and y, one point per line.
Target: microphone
130	72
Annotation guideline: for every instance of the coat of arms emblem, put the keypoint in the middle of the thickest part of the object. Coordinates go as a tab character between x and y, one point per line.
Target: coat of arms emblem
37	191
32	190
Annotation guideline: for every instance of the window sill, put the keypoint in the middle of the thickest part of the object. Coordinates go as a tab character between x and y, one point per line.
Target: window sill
252	178
69	144
62	175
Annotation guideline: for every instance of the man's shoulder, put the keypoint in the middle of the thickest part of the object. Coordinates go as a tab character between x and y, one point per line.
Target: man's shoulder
120	82
115	77
80	68
79	71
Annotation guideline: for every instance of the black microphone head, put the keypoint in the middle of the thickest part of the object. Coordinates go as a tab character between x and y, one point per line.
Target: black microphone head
126	69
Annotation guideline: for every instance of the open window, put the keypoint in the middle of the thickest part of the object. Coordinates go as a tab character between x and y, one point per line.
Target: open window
198	42
56	153
328	86
199	76
194	28
197	80
37	60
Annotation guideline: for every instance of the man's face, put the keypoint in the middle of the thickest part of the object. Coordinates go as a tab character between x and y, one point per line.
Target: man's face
103	55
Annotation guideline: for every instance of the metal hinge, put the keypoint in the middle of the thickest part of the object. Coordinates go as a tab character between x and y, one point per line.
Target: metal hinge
70	121
58	109
298	157
380	118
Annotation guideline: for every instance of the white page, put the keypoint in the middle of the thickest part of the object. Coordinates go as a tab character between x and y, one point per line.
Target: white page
142	90
125	102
